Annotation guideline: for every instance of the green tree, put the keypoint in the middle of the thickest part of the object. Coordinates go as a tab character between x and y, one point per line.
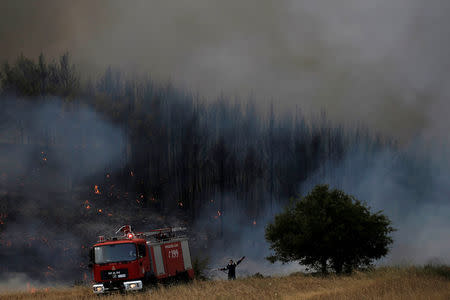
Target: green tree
328	229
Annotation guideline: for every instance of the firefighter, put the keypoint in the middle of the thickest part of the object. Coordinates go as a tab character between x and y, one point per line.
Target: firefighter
231	268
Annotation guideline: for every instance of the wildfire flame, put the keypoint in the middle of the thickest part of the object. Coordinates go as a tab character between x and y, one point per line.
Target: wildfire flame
254	222
44	157
131	173
180	204
87	205
31	289
96	190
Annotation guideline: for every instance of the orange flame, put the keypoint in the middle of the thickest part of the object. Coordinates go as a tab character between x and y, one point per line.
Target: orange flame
254	222
31	289
44	157
87	205
96	190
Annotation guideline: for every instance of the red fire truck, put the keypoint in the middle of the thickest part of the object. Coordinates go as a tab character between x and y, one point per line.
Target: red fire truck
131	260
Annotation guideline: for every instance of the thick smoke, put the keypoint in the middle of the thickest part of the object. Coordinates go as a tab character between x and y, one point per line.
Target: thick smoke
411	187
49	149
236	235
379	61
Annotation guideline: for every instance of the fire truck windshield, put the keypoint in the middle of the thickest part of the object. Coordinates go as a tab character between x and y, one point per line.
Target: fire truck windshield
115	253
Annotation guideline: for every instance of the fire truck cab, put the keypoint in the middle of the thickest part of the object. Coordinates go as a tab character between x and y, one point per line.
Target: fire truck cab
130	261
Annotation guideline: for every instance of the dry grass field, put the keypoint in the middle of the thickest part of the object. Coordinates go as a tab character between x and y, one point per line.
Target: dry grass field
383	283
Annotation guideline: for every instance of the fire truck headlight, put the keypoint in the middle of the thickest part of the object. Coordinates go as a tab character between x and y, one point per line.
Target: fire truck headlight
98	288
133	285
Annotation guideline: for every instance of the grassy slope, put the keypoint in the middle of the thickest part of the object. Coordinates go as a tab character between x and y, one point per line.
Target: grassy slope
384	283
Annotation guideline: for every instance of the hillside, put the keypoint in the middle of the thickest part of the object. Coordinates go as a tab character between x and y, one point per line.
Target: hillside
383	283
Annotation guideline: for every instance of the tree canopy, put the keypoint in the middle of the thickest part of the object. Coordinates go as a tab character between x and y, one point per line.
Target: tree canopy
328	229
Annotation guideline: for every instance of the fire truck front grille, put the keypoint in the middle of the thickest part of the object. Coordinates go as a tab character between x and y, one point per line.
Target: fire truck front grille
116	274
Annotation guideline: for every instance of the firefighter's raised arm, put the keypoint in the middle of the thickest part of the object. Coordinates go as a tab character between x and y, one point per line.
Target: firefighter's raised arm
239	261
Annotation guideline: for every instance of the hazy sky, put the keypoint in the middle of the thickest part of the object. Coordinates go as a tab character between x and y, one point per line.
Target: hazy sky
384	62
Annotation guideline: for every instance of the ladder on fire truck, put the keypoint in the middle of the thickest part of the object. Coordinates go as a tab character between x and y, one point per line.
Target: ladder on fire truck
157	234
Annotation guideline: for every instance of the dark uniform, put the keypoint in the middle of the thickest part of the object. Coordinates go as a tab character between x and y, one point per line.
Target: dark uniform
231	267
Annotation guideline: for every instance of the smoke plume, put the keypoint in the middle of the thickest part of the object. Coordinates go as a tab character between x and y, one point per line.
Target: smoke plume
49	150
381	62
377	62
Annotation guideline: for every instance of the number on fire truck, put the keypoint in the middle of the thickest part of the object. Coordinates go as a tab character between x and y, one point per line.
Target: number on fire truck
173	253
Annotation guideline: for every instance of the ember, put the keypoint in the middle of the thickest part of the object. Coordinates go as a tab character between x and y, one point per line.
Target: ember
87	205
50	272
96	190
44	156
31	289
